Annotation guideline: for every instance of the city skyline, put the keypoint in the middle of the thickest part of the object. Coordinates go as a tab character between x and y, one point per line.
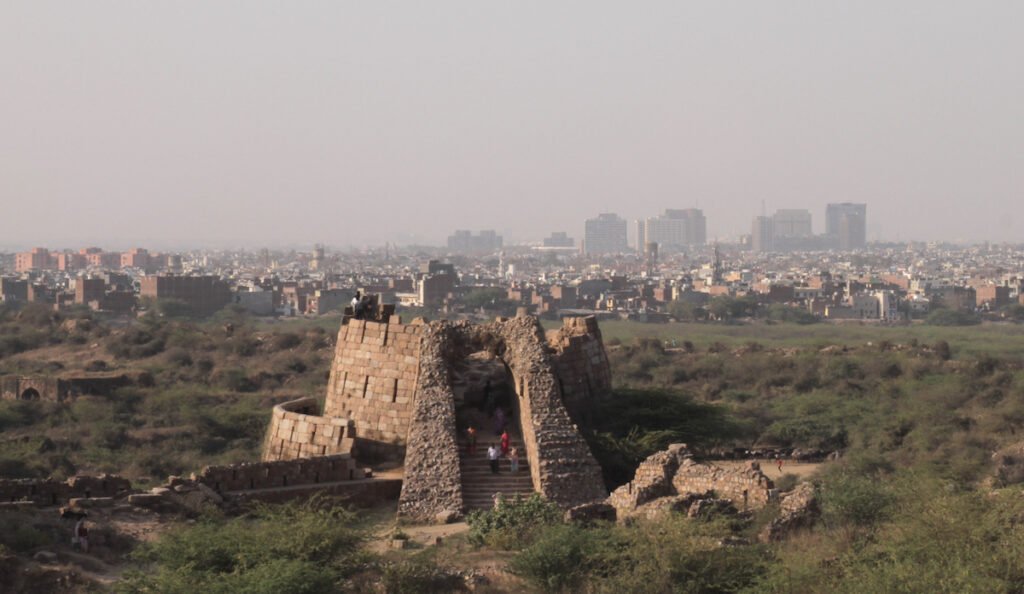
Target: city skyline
213	126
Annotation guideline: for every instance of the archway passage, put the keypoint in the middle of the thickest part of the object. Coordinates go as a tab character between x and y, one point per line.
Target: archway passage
485	399
29	394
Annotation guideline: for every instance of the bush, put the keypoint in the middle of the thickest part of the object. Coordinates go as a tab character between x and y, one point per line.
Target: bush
285	341
855	499
293	548
559	559
513	522
418	576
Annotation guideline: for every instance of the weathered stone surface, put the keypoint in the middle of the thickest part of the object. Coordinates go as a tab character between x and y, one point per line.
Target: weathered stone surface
798	509
672	480
447	517
703	508
591	512
91	502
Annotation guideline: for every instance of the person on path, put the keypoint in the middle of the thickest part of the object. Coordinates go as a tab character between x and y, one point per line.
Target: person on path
492	456
778	460
504	443
471	439
82	533
513	460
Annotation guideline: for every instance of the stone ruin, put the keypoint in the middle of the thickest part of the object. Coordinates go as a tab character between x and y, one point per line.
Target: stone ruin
672	480
394	391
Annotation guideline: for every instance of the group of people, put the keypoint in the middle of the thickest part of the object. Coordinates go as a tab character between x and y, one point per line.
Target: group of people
496	452
361	305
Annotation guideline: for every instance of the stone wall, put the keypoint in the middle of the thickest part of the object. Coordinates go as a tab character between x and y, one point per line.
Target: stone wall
285	473
674	474
363	493
59	389
748	487
433	482
45	389
373	380
584	372
296	431
52	492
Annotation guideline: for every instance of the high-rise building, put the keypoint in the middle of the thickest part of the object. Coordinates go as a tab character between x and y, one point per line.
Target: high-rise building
792	223
559	239
846	225
762	234
605	234
464	241
677	229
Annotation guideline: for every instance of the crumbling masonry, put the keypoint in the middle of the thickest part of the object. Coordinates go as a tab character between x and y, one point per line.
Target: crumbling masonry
391	394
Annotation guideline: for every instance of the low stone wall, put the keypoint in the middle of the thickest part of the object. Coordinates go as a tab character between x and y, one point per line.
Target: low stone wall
296	431
59	389
286	473
745	488
51	492
362	493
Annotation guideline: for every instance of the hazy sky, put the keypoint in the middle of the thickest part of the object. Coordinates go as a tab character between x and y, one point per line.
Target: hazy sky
250	123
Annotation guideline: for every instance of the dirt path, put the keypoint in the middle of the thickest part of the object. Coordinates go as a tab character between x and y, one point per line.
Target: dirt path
420	536
769	467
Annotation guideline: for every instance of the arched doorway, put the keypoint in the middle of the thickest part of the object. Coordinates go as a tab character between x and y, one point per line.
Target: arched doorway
30	394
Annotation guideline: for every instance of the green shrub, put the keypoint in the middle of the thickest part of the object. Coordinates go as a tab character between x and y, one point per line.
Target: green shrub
418	576
513	522
293	548
560	558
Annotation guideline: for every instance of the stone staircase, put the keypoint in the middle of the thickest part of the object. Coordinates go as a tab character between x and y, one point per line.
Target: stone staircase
479	485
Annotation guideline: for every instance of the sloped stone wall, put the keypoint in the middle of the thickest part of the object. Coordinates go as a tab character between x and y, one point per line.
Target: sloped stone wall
296	431
373	379
433	482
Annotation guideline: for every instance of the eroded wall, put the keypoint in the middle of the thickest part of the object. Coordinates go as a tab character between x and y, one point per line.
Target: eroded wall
581	361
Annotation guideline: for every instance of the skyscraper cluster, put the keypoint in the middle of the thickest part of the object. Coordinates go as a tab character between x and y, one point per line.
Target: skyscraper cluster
790	230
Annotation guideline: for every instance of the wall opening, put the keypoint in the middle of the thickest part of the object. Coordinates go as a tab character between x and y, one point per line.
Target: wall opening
30	394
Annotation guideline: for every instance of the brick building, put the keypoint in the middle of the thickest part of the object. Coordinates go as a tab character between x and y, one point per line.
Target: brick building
204	294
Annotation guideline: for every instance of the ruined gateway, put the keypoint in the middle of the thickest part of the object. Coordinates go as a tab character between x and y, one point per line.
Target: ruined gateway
407	392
